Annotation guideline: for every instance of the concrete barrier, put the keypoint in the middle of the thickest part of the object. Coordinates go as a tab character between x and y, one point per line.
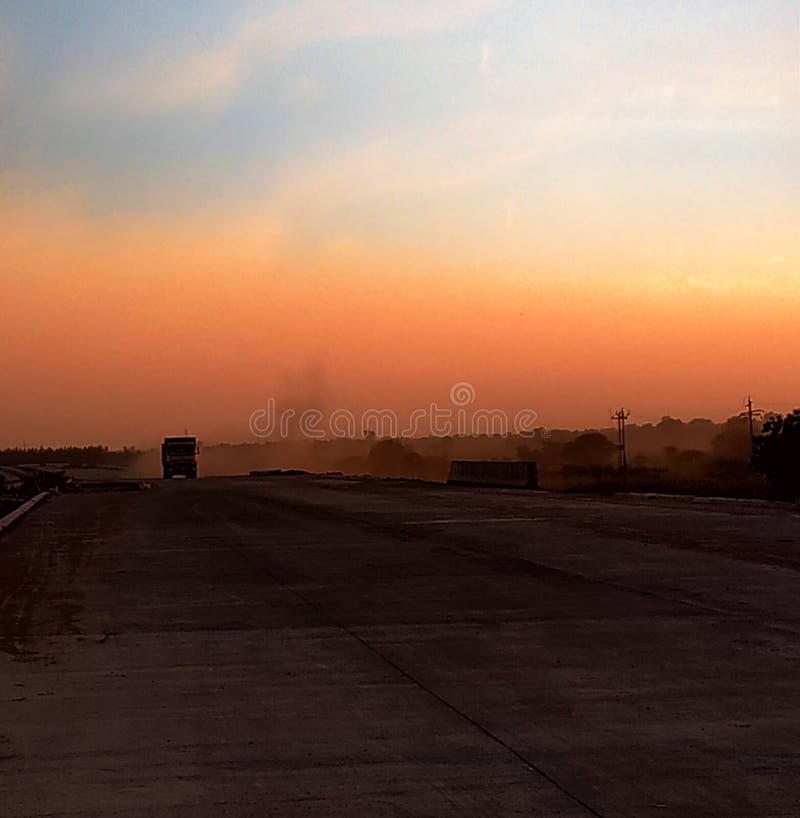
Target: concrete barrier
518	474
109	485
10	519
278	472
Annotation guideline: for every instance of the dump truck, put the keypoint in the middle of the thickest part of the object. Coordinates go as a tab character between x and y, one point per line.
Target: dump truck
179	456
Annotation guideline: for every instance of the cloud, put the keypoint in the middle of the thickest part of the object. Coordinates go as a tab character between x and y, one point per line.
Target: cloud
182	76
404	167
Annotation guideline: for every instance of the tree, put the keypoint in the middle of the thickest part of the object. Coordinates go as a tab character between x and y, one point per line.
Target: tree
777	454
590	449
732	442
388	458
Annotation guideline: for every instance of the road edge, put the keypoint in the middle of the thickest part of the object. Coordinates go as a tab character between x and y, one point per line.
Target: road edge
11	518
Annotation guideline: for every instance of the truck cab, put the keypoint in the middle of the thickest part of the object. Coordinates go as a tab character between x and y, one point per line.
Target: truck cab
179	456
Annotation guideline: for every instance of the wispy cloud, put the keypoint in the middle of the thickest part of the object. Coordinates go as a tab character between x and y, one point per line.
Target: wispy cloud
180	76
406	165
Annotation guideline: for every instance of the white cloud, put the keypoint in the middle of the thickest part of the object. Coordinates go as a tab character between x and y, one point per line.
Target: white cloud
181	76
466	156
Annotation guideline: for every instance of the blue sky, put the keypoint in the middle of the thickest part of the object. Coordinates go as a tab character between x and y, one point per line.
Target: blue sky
151	106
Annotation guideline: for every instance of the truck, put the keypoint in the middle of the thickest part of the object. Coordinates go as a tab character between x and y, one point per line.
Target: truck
179	456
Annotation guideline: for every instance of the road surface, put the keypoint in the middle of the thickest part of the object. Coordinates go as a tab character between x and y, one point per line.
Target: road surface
320	647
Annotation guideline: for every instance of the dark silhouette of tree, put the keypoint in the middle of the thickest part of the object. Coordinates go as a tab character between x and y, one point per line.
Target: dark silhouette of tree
391	458
733	440
591	449
777	454
70	456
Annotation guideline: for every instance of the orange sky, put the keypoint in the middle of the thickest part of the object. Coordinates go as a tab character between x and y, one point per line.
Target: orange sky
572	206
120	333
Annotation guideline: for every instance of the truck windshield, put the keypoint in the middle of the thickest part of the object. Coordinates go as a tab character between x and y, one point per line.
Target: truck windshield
181	448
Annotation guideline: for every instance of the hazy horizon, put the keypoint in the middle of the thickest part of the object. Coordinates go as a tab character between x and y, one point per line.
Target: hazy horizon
351	204
541	435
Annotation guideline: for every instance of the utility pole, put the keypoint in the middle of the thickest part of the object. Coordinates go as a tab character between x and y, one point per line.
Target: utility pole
752	415
621	416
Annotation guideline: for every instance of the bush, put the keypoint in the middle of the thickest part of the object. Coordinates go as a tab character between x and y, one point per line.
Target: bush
777	455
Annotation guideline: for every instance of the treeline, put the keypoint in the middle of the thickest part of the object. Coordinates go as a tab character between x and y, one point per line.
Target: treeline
672	456
71	456
732	463
589	461
777	455
696	457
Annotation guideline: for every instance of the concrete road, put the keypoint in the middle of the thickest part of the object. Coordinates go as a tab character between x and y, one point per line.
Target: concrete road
310	647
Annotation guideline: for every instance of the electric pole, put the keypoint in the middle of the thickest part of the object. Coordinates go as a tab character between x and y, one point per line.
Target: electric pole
621	416
752	415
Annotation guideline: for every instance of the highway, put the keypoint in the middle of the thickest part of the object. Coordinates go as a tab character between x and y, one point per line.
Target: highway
304	646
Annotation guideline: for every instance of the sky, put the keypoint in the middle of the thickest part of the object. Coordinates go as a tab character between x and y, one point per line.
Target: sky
571	206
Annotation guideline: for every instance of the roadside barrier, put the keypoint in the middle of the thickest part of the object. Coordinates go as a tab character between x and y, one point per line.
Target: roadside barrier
520	474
